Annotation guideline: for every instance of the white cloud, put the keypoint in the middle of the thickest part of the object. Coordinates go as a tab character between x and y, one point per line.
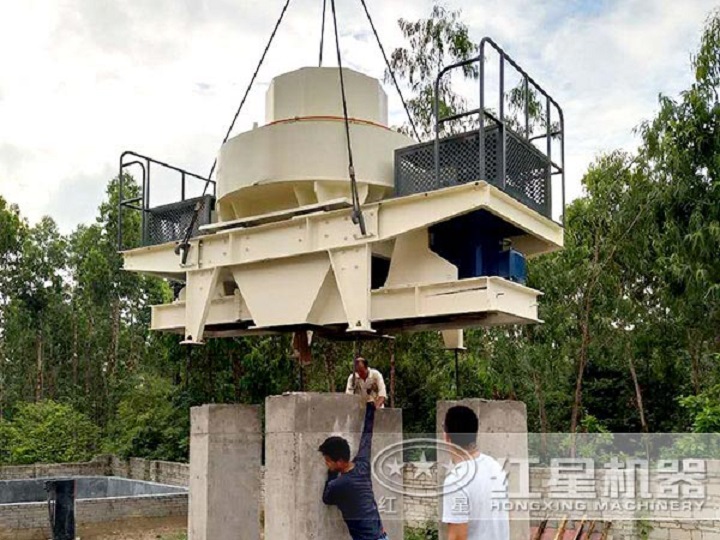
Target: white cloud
82	80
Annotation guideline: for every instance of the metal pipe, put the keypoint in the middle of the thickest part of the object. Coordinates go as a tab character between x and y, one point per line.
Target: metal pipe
147	188
527	108
492	117
124	202
436	112
482	173
120	201
458	116
553	134
548	128
147	202
166	165
562	161
502	132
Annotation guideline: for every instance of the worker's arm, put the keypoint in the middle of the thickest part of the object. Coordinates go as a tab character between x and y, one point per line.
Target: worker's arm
349	389
366	439
457	531
455	510
330	491
382	391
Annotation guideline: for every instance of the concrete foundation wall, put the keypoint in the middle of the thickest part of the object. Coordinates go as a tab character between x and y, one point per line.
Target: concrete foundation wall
389	434
295	472
502	434
225	458
296	425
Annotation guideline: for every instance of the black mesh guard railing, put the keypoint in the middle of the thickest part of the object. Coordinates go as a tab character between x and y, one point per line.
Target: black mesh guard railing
508	156
161	223
526	167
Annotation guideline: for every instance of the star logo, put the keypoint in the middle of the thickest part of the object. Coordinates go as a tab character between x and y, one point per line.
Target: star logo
394	467
423	467
448	466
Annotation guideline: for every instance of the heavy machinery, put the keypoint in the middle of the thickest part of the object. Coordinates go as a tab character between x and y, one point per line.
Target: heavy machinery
410	236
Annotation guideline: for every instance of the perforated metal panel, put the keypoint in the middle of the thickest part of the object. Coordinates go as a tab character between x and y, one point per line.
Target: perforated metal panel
169	223
526	177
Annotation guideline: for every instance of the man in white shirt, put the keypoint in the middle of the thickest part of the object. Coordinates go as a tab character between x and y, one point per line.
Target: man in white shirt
367	382
473	505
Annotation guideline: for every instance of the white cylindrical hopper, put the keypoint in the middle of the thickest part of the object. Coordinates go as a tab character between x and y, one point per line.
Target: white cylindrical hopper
300	156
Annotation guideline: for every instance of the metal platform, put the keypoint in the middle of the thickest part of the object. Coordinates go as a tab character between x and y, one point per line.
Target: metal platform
504	150
527	175
170	222
159	224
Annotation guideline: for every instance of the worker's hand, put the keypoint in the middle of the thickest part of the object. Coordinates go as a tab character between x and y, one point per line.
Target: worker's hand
380	402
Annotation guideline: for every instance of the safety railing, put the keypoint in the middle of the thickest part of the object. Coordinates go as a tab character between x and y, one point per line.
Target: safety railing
503	150
161	223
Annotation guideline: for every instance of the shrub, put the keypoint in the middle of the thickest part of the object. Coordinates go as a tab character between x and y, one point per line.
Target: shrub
47	432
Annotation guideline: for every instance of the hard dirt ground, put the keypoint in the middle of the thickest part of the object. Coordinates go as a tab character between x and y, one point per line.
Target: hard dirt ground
142	535
138	529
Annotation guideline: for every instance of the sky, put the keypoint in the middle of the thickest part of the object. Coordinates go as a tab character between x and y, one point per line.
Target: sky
83	80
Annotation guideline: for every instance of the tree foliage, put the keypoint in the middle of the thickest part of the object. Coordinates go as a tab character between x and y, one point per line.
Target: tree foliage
48	432
433	43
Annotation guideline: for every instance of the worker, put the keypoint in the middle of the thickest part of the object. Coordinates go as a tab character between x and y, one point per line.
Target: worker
349	483
474	509
367	382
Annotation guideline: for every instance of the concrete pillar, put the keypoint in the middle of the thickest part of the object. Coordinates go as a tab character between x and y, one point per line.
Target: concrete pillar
295	473
502	434
388	437
225	454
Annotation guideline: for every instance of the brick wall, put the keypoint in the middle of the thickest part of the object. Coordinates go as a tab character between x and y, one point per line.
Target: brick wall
96	467
29	521
162	472
419	510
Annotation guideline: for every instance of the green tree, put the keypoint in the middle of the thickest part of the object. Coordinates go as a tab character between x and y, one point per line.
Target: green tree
152	421
12	230
49	432
433	43
36	311
681	146
704	410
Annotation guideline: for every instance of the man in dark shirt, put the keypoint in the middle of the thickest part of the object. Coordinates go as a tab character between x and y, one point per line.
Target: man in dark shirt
349	483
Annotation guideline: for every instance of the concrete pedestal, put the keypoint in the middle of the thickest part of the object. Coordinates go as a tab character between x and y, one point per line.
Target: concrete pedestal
225	454
296	425
388	437
502	434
